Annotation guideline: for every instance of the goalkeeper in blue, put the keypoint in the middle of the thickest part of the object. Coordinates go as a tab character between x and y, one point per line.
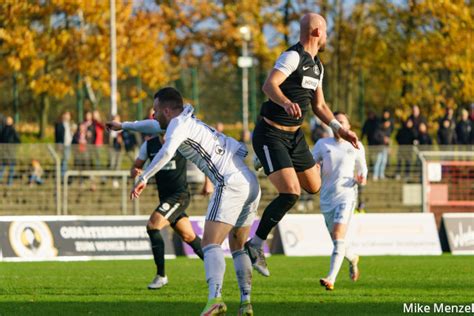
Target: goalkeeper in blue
343	168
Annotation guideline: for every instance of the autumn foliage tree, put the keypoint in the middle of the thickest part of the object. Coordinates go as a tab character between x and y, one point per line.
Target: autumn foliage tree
379	54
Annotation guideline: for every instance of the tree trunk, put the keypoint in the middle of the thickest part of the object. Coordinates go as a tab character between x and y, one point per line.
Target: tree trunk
350	75
45	104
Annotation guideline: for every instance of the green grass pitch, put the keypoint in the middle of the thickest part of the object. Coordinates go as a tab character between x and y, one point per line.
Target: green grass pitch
119	287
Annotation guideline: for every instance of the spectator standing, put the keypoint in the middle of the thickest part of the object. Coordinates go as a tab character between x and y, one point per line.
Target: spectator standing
116	148
405	137
370	127
464	129
448	115
387	116
416	118
63	134
84	136
382	139
2	123
423	137
446	133
99	129
9	136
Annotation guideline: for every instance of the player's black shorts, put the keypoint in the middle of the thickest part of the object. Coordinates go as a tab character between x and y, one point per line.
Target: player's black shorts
277	149
173	207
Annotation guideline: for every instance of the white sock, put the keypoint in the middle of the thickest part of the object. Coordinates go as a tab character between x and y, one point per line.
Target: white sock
214	264
257	241
336	259
350	255
243	271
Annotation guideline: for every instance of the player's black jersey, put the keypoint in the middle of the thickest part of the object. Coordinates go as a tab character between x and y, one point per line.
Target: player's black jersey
171	179
299	87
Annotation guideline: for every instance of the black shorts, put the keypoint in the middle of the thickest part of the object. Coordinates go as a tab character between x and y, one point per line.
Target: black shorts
277	149
173	207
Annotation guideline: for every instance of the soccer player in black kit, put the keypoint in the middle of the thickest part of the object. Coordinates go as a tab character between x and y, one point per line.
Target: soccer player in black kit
293	85
174	199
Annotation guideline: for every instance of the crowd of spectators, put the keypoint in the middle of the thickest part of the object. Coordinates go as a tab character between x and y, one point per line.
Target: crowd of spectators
414	131
85	141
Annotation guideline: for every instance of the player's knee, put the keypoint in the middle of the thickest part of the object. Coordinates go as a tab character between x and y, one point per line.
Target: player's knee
313	189
187	238
283	203
289	199
150	225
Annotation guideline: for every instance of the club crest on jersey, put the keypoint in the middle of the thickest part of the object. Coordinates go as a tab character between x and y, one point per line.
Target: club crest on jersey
220	150
316	70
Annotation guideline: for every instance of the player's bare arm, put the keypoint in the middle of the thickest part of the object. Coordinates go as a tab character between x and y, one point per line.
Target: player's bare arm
207	187
137	168
271	88
321	110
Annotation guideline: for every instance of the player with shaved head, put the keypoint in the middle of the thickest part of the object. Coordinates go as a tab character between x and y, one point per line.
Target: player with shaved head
293	87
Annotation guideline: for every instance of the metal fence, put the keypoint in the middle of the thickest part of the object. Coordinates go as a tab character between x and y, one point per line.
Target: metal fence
47	179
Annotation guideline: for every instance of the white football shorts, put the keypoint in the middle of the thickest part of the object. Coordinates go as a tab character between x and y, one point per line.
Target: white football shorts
235	202
341	214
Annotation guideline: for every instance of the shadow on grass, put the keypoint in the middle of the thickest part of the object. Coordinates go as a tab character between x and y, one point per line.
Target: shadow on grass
187	308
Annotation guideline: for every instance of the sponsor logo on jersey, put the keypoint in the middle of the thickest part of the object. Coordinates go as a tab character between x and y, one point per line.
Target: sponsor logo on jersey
306	68
309	83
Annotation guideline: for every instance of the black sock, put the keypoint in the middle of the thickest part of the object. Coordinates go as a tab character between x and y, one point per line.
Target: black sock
274	212
158	249
196	245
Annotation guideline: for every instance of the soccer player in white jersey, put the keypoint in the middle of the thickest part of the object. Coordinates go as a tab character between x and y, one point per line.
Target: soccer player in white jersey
342	168
234	203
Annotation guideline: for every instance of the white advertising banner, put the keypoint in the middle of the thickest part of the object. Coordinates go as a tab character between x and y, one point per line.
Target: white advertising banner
305	235
369	234
460	232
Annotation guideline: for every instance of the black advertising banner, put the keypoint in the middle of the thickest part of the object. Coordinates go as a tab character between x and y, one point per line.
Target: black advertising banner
36	238
459	229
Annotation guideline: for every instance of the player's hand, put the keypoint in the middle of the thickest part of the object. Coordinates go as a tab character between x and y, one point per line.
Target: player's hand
293	109
207	188
135	172
350	136
113	126
137	189
360	179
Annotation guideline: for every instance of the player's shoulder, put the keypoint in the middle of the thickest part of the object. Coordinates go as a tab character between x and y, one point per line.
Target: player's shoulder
297	48
325	141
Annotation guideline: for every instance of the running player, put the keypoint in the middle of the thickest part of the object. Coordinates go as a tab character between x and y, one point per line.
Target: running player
174	197
294	84
339	163
236	195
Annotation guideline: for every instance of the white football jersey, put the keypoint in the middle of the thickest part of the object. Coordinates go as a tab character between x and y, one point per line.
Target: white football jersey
340	161
214	153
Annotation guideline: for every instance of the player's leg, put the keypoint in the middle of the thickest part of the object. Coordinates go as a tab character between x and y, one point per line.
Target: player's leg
286	182
154	226
350	256
307	170
310	179
214	264
183	227
337	222
237	238
243	267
